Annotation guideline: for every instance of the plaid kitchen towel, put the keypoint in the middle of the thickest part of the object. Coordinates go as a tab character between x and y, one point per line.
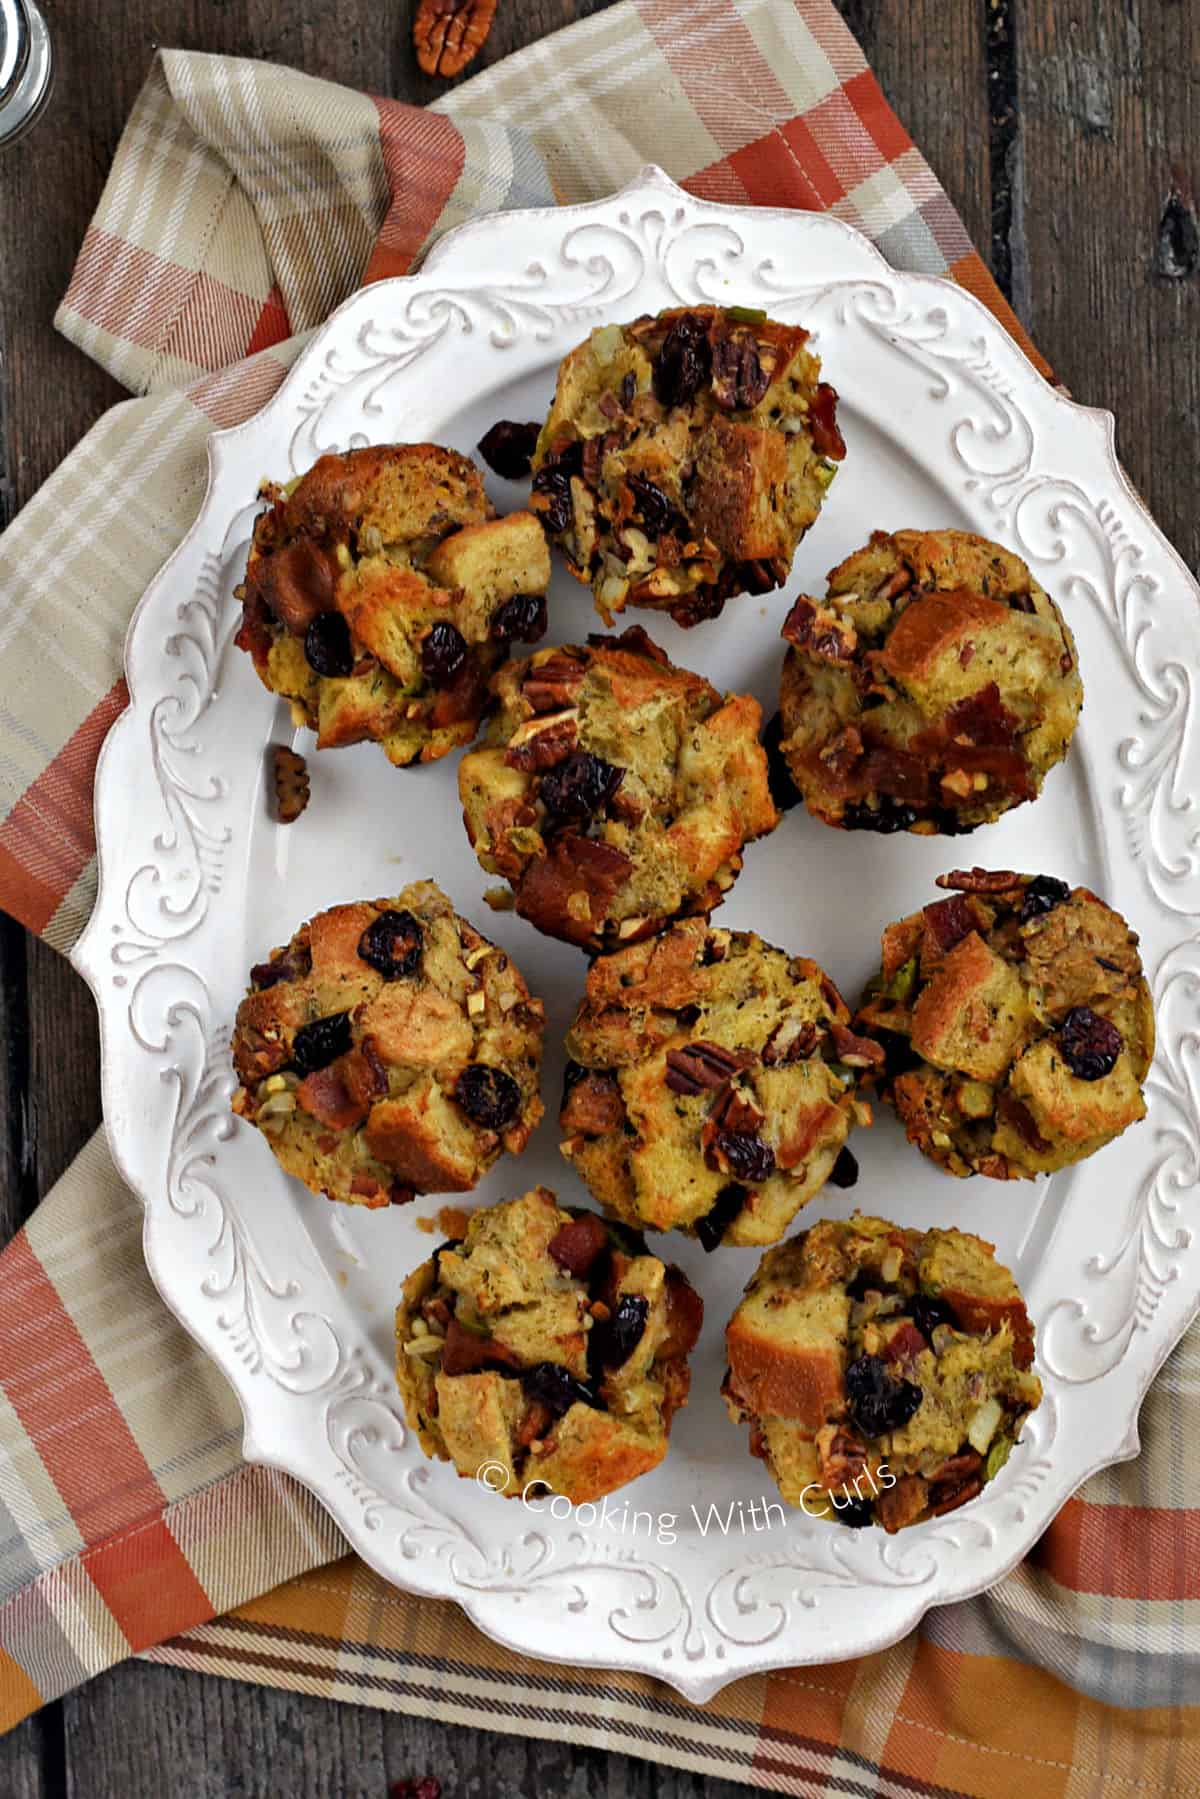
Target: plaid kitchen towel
244	202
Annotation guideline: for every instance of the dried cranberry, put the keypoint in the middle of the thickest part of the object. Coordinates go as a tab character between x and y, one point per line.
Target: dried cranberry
628	389
318	1044
428	1786
521	620
579	786
844	1172
612	1343
553	483
739	380
684	362
856	1514
712	1227
507	448
745	1155
885	818
927	1313
1090	1044
784	791
327	645
556	1388
392	944
488	1095
1043	894
292	965
443	652
659	514
879	1401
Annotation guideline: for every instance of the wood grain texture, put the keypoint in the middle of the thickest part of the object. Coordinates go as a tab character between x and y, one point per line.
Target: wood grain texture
1064	130
1108	267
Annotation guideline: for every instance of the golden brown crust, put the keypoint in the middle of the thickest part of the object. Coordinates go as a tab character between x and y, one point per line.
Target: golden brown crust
614	791
884	1372
374	593
933	687
389	1049
684	457
1017	1025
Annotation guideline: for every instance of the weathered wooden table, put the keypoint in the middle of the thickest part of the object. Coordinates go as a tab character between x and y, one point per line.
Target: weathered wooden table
1068	134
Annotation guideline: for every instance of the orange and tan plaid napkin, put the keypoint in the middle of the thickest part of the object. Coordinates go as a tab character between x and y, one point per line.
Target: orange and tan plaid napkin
244	202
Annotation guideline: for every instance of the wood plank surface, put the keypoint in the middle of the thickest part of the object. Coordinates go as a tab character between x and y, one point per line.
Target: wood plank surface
1066	132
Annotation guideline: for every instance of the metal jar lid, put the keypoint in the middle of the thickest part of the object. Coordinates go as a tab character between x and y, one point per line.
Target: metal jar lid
26	66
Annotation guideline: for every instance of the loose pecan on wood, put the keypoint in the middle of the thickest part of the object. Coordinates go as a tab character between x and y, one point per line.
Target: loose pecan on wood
448	34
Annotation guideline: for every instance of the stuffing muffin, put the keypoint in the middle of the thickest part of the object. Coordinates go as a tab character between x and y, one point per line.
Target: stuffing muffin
614	791
380	593
684	457
1016	1024
932	688
884	1373
389	1050
546	1351
712	1085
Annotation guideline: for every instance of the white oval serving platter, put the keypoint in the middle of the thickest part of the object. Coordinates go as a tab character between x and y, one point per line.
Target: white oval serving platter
684	1575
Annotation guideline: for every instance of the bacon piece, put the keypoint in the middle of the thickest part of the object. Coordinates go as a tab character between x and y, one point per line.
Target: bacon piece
822	423
576	1246
465	698
685	1316
324	1096
297	583
572	864
855	1051
593	1104
902	1504
949	921
897	773
254	634
466	1353
983	719
634	638
905	1344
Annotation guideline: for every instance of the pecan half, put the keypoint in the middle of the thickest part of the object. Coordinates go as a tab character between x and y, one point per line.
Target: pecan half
699	1067
979	880
854	1051
290	773
814	631
792	1041
542	741
448	34
552	685
593	1104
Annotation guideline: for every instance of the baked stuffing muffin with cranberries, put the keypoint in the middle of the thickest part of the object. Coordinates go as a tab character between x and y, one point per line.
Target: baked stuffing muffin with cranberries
684	457
388	1050
1016	1024
614	791
381	591
884	1373
933	687
712	1085
548	1347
